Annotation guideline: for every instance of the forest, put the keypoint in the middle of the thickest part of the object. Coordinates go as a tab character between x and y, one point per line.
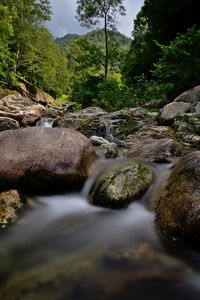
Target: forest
103	68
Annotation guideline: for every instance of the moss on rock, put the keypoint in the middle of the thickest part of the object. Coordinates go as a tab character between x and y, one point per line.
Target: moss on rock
178	210
120	184
10	203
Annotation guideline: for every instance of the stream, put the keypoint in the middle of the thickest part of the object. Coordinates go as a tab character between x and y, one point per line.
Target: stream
64	248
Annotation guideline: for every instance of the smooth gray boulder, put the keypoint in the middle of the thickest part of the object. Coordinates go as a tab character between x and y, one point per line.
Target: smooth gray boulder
38	158
171	110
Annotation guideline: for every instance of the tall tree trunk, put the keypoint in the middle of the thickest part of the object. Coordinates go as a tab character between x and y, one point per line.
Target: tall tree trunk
16	60
106	44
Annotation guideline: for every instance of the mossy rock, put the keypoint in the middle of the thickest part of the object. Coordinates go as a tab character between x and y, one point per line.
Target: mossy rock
120	184
11	202
178	209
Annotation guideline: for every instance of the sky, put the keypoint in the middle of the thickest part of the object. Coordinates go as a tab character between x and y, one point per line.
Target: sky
63	20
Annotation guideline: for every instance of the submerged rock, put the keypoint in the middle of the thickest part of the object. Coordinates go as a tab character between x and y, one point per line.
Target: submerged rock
120	184
10	203
44	158
111	150
178	210
162	150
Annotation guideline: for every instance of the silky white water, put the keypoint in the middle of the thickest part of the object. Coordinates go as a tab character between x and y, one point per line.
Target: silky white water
64	248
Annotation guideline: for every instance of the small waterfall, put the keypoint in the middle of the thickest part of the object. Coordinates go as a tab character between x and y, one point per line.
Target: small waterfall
106	127
45	122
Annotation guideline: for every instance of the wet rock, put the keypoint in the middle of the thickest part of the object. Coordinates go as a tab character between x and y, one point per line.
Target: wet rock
11	202
187	126
178	210
87	121
111	150
44	158
163	150
120	183
97	140
128	121
8	123
110	138
171	110
95	121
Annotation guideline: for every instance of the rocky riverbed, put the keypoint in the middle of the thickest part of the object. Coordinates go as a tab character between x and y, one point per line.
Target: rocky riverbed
141	194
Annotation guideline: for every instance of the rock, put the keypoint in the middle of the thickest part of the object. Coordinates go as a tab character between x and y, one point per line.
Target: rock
95	121
22	109
97	140
163	150
10	203
178	210
111	150
127	121
171	110
110	138
156	132
119	184
44	158
22	90
8	123
191	96
40	97
87	121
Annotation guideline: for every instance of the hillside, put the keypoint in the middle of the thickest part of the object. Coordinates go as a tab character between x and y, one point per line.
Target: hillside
97	37
66	40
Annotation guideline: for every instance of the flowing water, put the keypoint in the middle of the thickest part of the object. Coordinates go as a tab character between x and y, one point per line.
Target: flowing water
45	122
64	248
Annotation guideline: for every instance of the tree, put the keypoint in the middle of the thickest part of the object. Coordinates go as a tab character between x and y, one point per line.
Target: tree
180	62
171	17
90	12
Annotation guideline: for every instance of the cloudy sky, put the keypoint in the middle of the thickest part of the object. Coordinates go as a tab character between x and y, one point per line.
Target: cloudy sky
63	19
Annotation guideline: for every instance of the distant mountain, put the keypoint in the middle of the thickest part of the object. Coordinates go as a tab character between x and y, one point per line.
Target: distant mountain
66	40
95	36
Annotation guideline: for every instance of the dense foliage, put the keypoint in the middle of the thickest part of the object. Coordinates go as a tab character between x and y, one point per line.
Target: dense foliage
103	67
27	48
164	51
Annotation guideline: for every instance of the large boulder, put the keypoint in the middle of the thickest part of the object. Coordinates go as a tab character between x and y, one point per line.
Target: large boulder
11	202
120	183
178	210
44	158
171	110
191	96
162	150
